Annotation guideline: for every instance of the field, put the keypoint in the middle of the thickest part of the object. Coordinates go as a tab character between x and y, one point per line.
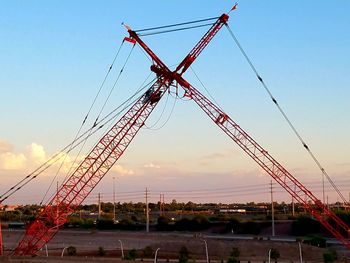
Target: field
87	243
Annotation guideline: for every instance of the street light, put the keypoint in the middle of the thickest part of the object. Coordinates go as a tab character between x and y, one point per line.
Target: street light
155	255
301	255
63	251
121	248
47	252
206	250
270	255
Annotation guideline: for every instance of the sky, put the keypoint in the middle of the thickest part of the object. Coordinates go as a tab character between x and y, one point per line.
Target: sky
55	54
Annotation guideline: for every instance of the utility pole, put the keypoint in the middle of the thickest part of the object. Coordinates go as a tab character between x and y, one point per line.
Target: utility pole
1	244
113	199
147	212
293	208
160	205
99	206
57	202
272	213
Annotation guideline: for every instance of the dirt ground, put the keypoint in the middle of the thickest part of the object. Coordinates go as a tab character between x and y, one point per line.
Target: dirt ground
219	247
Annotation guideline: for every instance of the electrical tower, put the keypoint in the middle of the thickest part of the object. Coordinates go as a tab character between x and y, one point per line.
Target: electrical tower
113	144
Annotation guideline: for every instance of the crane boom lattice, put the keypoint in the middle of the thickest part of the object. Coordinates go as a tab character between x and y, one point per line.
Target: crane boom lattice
89	173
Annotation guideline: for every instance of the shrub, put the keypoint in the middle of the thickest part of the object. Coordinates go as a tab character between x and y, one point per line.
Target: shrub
315	240
235	252
232	260
163	223
131	255
147	251
330	256
101	251
105	224
71	251
251	227
183	255
275	254
305	225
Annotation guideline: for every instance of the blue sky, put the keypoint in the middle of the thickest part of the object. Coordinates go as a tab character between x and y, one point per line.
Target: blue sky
54	54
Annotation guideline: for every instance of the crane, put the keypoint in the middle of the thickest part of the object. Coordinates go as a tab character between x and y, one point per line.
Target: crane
108	150
113	144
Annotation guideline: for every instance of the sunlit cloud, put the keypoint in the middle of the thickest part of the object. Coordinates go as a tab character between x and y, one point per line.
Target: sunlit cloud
152	166
36	153
120	170
5	147
12	161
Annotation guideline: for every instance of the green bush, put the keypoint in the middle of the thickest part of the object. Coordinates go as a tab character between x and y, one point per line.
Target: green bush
131	255
71	251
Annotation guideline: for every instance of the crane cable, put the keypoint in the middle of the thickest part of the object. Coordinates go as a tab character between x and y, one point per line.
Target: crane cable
201	82
324	173
47	164
176	25
111	120
174	30
102	108
85	119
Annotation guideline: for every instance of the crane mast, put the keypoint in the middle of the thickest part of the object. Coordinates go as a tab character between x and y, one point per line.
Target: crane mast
105	153
89	173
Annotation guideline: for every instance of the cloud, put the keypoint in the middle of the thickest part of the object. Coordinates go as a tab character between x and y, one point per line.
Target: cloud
5	147
120	170
152	166
215	157
12	161
37	153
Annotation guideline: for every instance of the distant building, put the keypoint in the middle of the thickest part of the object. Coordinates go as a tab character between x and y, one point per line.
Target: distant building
8	208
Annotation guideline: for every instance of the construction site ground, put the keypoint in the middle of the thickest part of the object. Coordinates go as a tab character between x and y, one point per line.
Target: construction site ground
87	243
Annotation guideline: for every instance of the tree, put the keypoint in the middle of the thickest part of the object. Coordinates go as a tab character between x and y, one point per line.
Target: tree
163	223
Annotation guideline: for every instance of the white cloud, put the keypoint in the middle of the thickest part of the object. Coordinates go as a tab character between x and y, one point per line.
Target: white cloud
12	161
120	170
152	166
37	153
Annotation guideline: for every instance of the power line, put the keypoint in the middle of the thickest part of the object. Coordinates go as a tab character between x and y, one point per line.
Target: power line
324	173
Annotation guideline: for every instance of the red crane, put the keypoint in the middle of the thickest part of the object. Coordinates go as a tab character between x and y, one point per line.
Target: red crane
108	150
113	144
